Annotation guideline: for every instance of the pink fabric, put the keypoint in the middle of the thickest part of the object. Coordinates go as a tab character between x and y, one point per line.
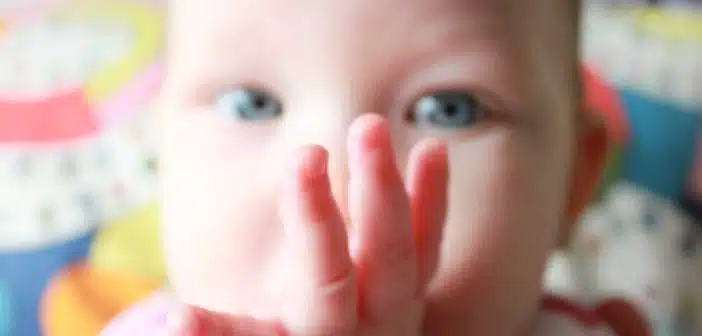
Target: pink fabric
558	317
148	318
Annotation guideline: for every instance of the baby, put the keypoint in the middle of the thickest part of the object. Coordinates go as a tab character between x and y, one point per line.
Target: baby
306	154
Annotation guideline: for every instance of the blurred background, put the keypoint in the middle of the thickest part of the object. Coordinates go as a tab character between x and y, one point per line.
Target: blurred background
79	240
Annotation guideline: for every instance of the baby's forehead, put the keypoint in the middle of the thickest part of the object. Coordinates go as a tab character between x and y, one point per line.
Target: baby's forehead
241	13
280	22
269	38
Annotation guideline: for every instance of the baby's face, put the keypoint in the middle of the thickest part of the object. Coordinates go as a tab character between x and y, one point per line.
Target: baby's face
250	81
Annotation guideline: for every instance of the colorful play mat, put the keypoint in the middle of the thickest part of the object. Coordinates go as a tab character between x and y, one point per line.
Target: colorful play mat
78	214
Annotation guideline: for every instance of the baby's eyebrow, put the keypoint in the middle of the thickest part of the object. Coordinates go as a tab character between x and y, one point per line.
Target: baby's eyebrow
443	34
466	22
454	37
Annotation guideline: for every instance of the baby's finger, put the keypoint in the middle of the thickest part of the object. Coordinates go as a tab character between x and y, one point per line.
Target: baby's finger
427	186
379	211
322	287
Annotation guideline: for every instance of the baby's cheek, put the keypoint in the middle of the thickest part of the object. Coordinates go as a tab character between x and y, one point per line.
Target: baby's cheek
218	250
501	226
221	229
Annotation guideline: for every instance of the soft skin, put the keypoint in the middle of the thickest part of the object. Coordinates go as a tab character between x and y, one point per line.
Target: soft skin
518	174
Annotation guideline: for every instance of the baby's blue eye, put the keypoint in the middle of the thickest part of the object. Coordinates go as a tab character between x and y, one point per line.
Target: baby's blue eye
447	109
248	104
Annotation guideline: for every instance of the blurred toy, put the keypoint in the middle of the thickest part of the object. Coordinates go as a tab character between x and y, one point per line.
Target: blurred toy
24	276
68	80
563	277
691	305
81	300
692	200
659	155
131	245
636	245
124	266
602	100
635	231
677	23
656	71
74	80
635	242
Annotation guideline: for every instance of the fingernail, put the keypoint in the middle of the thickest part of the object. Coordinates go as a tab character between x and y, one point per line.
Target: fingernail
311	162
369	135
379	156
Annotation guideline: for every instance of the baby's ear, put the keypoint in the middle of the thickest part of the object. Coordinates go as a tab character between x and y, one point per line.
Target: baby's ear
591	146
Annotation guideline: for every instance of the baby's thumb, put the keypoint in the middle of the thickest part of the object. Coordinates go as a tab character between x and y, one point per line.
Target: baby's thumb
192	321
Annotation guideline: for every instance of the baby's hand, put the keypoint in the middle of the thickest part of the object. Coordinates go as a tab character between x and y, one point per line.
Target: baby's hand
376	287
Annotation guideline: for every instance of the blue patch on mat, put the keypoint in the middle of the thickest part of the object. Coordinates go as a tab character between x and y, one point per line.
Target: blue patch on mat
659	154
5	309
23	278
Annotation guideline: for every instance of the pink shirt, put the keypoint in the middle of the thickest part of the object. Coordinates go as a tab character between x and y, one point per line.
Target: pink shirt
558	317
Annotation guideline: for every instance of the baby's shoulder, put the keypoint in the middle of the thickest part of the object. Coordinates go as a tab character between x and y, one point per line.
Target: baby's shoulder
148	317
559	316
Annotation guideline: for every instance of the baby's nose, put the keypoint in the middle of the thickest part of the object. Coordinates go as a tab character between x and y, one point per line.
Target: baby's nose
331	131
